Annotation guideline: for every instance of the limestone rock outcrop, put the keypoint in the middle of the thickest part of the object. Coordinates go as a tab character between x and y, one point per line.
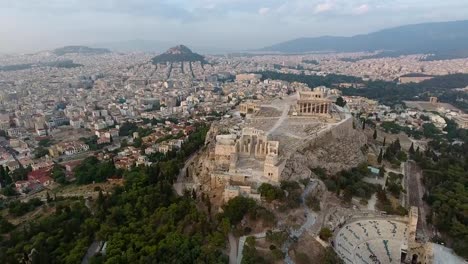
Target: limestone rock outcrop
334	151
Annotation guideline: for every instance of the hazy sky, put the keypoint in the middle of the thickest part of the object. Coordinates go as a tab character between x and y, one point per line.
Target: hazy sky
31	25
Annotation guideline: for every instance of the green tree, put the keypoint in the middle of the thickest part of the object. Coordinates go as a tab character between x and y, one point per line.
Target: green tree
330	257
325	234
380	157
340	101
40	152
236	208
411	149
58	174
270	192
382	171
5	226
45	143
374	136
137	143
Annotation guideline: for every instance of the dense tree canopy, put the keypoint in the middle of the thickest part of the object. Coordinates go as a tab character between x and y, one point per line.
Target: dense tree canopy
445	171
270	192
142	222
350	183
92	170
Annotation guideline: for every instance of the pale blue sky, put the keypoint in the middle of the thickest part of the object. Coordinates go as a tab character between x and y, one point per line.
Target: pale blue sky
30	25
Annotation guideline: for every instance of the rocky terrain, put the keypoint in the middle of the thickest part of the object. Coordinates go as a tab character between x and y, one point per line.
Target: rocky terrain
331	151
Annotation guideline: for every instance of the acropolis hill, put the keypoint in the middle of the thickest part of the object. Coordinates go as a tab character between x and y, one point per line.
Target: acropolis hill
281	139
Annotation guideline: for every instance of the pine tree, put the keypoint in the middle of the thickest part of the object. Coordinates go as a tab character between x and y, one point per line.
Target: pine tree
382	171
363	124
340	101
208	205
379	159
375	134
397	144
411	149
384	139
7	178
100	199
2	176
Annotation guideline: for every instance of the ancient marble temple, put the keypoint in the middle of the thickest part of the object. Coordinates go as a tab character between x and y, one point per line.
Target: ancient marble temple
312	103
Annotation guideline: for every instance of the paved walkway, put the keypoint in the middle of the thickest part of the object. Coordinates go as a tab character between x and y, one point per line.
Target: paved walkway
179	186
232	249
279	122
444	255
311	217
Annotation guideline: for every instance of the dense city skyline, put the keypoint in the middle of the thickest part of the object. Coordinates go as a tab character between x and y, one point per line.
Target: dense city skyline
221	24
234	131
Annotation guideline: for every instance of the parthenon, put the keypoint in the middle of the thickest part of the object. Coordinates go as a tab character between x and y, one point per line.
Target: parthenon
312	103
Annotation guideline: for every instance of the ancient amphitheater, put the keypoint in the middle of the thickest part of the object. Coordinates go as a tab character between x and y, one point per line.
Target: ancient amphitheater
382	239
372	241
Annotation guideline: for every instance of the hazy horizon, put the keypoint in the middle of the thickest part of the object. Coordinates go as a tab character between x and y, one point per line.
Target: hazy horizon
234	25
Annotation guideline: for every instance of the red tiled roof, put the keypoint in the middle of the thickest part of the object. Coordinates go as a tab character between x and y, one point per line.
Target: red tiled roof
40	175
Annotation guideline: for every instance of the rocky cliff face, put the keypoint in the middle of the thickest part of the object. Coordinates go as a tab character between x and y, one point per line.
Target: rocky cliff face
334	151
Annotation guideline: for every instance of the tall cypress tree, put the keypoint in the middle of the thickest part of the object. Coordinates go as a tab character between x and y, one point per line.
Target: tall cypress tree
379	159
2	176
411	149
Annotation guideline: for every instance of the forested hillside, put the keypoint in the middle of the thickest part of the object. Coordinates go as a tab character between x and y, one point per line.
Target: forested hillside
445	174
143	221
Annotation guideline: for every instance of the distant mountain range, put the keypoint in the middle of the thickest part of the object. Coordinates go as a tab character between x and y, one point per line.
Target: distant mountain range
80	50
178	53
441	38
